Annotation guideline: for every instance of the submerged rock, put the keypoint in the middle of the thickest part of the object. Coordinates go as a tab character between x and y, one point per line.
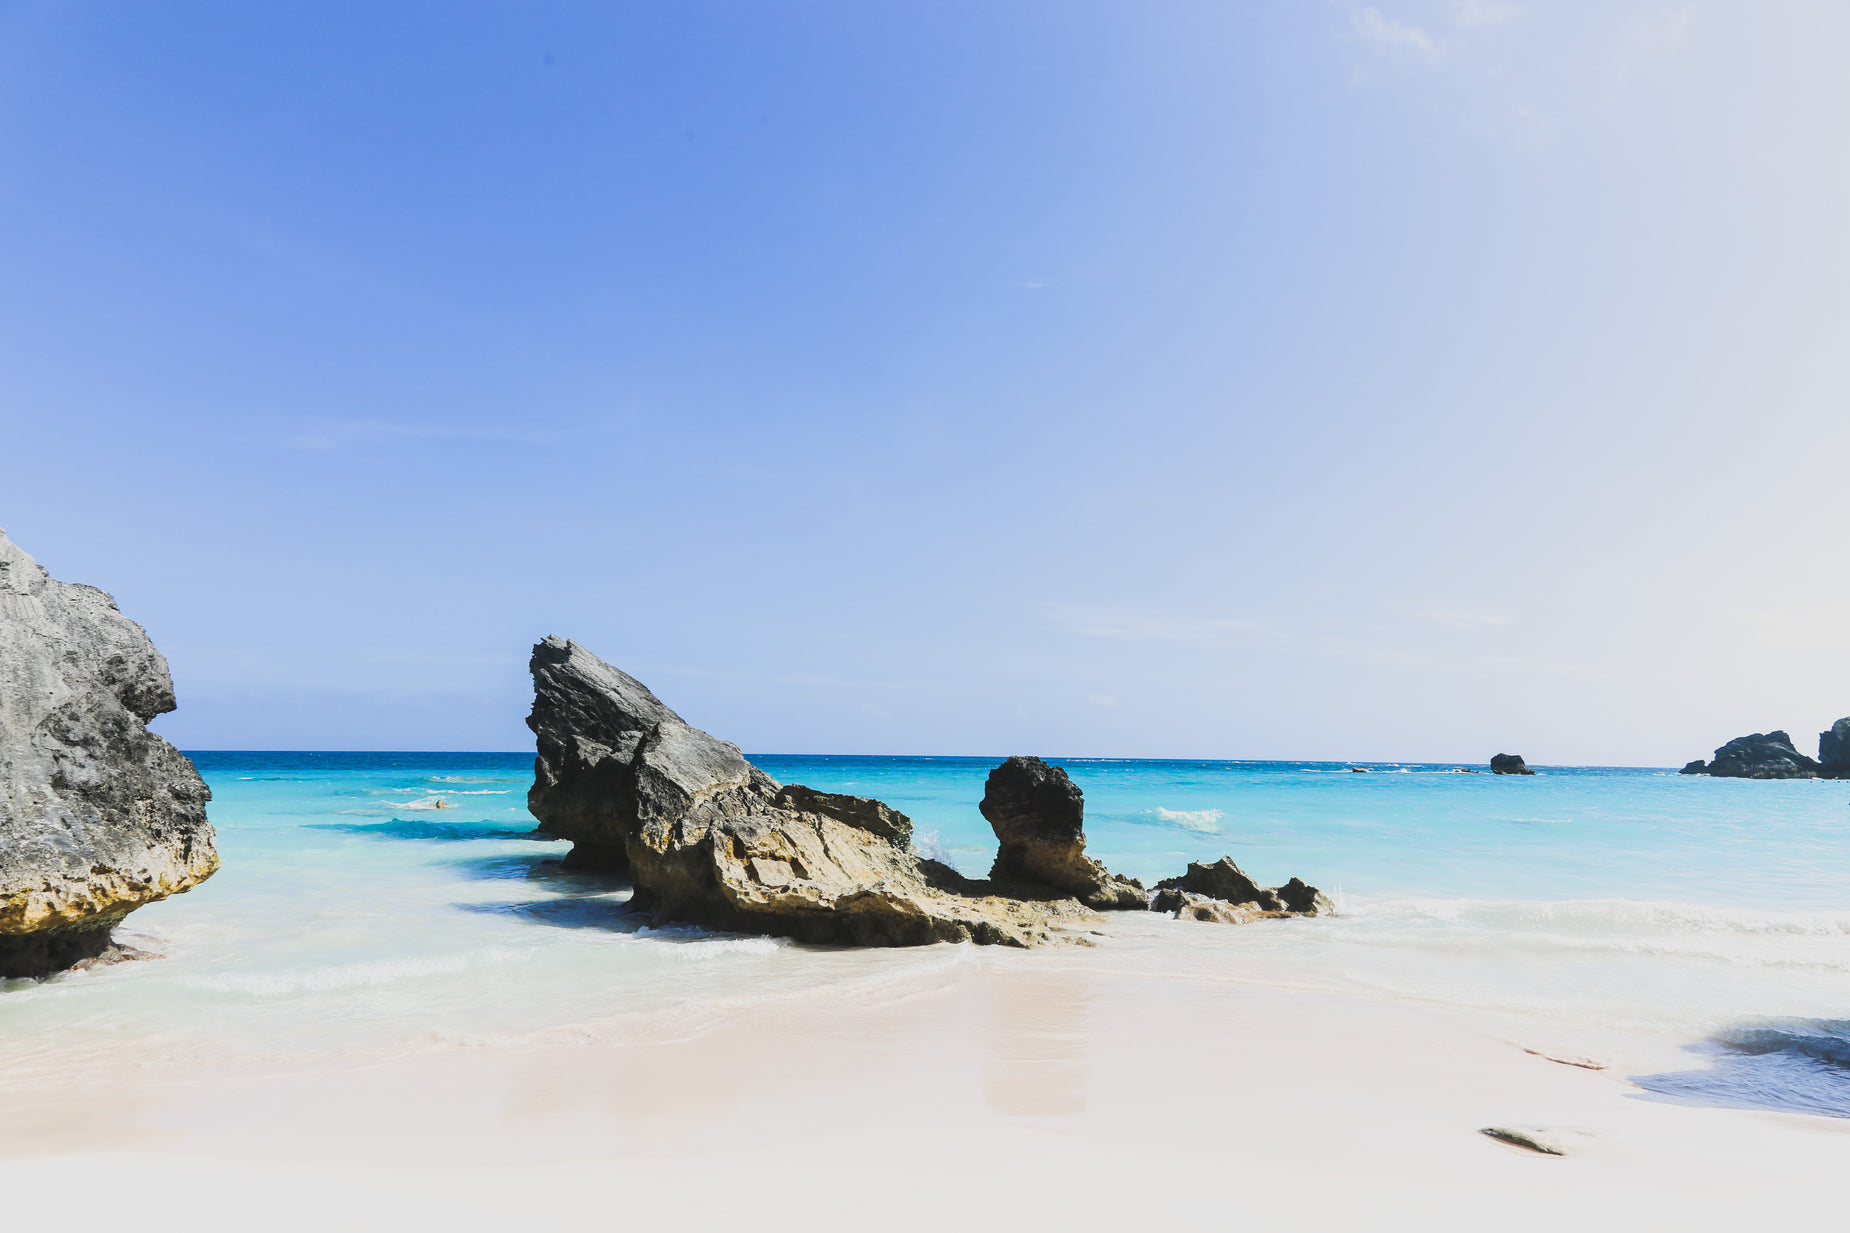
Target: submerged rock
1834	751
98	816
1698	767
1226	883
709	839
1038	815
1763	755
1509	764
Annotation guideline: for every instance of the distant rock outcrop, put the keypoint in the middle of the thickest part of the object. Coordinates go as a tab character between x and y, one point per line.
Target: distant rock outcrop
710	839
98	816
1834	751
1698	767
1509	764
1038	815
1763	755
1225	883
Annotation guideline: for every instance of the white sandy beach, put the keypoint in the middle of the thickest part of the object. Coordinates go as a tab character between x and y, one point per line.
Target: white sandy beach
1063	1084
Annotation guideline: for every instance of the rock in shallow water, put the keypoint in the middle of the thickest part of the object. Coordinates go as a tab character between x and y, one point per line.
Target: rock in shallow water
1834	751
1763	755
711	840
1226	883
1038	815
1509	764
98	816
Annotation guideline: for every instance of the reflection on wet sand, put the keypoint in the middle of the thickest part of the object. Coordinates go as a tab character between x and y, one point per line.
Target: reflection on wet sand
1037	1058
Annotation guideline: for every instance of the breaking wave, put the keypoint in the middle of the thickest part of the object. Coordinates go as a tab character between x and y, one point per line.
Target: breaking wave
1206	821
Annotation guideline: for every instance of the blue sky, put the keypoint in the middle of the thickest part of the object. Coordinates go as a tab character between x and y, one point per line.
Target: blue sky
1412	380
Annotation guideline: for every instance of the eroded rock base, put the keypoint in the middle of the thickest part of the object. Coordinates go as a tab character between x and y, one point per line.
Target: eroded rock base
52	950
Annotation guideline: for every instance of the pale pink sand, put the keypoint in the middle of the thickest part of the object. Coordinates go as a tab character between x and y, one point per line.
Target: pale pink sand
1033	1088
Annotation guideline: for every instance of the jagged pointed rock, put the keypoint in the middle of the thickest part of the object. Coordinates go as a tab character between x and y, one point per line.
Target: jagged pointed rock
709	839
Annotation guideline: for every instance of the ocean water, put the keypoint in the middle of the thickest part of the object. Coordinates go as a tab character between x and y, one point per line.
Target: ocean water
372	905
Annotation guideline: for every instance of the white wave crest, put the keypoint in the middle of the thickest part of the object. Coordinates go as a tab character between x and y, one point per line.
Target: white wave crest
681	946
929	845
1205	820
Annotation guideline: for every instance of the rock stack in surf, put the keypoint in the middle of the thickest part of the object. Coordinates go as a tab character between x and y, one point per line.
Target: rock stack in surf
709	839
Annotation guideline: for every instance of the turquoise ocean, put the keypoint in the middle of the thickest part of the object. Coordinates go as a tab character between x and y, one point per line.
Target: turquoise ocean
372	905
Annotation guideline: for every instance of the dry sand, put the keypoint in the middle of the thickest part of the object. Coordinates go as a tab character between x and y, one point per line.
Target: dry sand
1029	1088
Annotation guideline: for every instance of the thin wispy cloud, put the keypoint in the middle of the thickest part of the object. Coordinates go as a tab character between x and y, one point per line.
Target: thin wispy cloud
1152	627
1399	39
1662	30
1227	635
1465	619
1485	13
1648	39
1409	45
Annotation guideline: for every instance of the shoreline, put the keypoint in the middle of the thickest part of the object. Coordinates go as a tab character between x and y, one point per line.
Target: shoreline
1062	1083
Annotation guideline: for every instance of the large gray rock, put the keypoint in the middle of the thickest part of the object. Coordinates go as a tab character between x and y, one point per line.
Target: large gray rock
589	720
1834	751
98	816
1763	755
1038	814
1509	764
709	839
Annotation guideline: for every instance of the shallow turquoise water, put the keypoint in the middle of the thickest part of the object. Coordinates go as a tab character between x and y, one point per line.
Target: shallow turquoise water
354	918
1565	833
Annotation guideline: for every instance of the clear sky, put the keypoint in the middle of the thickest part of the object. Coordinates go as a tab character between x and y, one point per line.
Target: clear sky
1414	380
